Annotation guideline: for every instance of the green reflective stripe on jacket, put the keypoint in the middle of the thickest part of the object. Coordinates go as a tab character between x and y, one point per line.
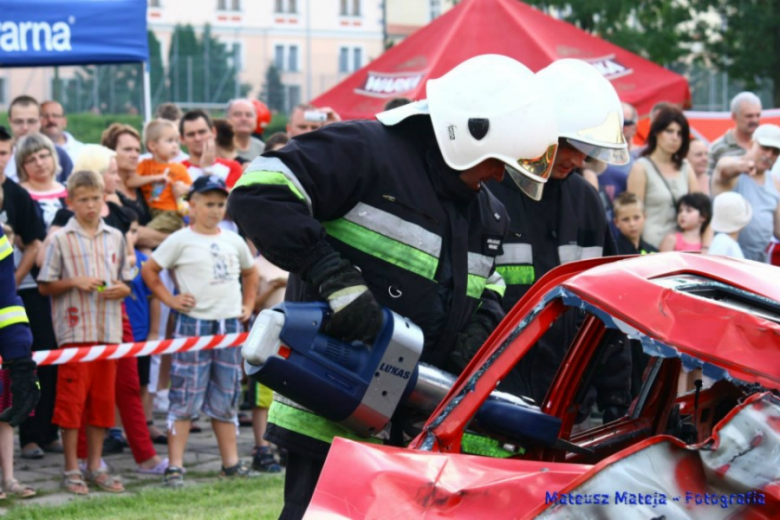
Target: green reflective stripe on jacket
5	248
12	315
485	446
499	289
382	247
311	425
393	226
475	286
496	283
268	178
517	274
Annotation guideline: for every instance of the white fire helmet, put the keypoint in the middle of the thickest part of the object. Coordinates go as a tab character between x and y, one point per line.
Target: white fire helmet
590	116
491	106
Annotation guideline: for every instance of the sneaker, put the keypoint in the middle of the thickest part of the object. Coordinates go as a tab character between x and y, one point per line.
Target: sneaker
240	470
263	461
173	477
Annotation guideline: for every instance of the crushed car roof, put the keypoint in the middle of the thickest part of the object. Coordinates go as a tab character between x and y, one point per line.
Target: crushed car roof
719	313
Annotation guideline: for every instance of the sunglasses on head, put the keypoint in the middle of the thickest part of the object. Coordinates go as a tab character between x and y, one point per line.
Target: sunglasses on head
629	122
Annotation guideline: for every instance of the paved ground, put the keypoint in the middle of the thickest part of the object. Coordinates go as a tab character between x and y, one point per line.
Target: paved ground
201	461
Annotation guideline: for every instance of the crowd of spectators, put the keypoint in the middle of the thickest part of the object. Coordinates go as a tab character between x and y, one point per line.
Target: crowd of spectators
115	246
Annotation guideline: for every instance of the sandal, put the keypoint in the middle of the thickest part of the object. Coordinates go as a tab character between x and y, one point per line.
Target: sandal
105	481
173	477
16	489
238	471
73	482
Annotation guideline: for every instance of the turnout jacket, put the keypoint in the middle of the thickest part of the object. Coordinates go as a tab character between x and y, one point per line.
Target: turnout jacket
566	225
384	199
15	335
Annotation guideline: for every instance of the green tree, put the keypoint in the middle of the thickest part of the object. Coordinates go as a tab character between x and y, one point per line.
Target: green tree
659	30
182	57
735	46
159	84
273	91
202	70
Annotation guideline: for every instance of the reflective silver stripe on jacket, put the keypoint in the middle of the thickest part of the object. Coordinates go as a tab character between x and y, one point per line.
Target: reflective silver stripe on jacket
572	253
480	265
516	254
289	402
274	164
394	227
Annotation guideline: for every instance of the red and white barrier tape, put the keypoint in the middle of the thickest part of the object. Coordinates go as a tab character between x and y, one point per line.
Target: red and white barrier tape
143	348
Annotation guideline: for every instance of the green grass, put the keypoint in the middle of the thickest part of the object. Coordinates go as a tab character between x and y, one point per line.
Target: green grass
259	498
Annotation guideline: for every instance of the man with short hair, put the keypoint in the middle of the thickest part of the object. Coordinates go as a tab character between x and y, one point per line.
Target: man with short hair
197	134
242	116
169	111
53	125
24	115
749	176
746	113
301	122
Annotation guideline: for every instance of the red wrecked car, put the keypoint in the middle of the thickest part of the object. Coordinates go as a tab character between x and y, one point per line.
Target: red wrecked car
711	451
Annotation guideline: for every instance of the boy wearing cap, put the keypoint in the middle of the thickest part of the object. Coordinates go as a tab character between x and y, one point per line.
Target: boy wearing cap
207	262
750	176
730	213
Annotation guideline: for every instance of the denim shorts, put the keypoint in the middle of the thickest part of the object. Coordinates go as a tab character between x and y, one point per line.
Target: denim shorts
207	381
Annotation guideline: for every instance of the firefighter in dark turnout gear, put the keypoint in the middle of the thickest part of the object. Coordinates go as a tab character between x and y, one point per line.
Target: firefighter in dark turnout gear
392	213
565	222
15	342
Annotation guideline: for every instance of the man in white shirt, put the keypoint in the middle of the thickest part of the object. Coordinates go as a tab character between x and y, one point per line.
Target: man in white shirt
53	125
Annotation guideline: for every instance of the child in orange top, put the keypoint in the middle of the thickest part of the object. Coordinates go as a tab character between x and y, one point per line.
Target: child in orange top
162	182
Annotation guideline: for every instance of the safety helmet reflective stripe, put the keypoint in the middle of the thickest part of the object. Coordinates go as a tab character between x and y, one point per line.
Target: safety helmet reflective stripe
490	106
589	113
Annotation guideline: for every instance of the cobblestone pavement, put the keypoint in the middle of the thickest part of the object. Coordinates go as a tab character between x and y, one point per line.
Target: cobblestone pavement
201	462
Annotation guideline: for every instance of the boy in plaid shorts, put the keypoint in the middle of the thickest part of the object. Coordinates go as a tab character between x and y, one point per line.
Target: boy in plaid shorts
207	262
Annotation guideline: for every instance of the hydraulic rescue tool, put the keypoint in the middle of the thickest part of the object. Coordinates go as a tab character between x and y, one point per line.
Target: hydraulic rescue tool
361	387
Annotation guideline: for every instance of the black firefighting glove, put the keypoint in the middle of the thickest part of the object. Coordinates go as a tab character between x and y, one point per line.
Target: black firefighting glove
25	389
468	342
356	314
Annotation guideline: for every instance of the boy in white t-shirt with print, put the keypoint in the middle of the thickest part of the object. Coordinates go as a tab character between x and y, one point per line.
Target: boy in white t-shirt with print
207	262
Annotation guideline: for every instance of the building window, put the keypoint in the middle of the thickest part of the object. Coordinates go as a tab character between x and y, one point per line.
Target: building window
344	59
279	57
2	91
286	7
293	97
287	58
235	5
435	8
346	5
343	11
154	3
355	7
292	58
221	5
228	5
347	65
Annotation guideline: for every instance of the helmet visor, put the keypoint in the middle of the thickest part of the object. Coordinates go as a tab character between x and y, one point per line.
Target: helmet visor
605	154
531	174
527	185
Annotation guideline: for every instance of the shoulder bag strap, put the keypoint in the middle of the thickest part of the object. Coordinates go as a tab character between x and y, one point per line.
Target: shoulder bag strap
661	175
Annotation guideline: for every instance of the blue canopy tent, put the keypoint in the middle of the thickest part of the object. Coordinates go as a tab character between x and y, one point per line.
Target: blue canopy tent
35	33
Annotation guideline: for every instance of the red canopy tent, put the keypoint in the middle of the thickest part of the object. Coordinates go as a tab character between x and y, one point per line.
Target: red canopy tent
508	27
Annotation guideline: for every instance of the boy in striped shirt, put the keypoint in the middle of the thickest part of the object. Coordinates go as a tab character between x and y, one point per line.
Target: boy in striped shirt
84	271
